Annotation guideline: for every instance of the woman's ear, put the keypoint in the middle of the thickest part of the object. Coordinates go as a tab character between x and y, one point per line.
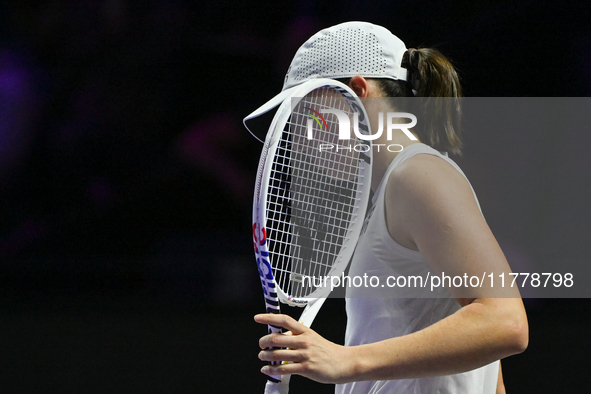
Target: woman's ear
360	86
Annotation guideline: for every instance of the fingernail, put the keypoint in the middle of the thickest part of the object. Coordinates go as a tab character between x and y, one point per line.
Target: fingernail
265	369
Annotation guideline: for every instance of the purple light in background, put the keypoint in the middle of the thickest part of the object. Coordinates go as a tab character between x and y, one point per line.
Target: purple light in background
17	104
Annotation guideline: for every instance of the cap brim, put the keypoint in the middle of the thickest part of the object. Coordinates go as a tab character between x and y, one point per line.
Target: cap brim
268	106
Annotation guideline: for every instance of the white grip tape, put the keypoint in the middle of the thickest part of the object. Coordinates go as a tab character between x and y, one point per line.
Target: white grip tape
278	388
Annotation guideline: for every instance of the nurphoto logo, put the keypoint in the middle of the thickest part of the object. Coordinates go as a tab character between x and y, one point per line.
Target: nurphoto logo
361	128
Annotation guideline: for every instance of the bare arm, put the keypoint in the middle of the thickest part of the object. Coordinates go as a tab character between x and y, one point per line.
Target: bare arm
430	208
500	382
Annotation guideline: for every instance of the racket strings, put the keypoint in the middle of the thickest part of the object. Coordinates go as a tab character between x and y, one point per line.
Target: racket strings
312	195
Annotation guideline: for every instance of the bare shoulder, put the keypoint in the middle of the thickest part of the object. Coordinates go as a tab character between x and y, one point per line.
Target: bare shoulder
430	207
426	191
426	177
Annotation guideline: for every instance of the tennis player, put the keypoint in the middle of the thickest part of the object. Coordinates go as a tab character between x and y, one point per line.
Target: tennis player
425	218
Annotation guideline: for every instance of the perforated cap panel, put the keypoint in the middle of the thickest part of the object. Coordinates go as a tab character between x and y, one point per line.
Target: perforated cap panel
346	50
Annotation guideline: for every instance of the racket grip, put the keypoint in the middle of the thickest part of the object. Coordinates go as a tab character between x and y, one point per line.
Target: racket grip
274	379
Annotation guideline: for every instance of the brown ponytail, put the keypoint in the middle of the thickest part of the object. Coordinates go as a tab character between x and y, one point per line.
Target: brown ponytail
432	77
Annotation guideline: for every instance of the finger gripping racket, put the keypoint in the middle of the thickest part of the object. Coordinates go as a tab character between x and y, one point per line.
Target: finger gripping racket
311	193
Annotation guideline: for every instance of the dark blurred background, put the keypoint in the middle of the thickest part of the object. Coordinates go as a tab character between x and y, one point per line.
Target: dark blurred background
126	179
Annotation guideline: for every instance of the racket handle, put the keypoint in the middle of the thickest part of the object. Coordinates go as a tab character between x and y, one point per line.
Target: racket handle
310	312
274	379
278	388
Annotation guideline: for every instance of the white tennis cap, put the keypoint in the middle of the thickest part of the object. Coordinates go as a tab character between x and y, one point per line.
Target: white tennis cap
343	51
347	50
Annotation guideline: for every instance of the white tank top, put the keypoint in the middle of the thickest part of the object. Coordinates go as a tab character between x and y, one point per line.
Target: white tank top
372	319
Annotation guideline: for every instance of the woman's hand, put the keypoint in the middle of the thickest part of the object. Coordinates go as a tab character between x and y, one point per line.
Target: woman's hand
307	353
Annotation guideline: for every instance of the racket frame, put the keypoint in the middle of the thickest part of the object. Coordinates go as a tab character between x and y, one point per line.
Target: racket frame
273	293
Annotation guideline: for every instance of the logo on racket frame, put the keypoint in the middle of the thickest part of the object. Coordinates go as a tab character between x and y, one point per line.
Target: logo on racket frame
259	235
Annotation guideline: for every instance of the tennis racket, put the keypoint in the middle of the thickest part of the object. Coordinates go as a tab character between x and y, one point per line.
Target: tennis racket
311	193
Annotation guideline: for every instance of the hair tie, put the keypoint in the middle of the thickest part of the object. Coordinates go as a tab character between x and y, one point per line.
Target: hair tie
413	77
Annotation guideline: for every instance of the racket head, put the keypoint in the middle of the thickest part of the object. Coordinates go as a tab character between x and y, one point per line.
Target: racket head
312	190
